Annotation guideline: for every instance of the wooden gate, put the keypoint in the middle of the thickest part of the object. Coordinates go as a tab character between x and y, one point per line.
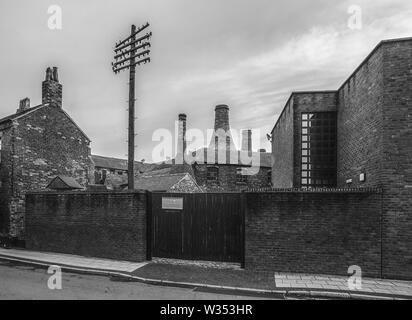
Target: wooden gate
201	226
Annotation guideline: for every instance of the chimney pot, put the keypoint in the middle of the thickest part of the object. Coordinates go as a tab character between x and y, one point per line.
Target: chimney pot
222	118
24	105
247	140
55	74
52	89
182	136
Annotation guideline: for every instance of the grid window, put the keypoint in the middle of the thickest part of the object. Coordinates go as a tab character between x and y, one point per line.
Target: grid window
318	157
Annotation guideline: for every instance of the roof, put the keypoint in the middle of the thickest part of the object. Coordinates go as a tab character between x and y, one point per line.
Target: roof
262	159
19	115
294	93
120	164
159	182
170	168
350	77
64	183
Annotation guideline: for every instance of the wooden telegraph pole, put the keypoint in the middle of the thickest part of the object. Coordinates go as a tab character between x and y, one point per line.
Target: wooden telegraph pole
130	53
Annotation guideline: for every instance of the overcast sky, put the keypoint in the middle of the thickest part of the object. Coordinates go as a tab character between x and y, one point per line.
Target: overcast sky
249	54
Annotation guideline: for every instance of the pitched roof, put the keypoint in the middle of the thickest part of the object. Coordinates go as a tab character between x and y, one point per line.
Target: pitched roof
160	182
64	182
119	164
20	114
170	168
33	109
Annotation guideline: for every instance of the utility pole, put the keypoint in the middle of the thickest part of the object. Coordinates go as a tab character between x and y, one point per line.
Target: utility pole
130	53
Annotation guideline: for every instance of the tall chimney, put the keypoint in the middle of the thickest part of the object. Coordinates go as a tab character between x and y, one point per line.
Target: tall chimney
52	90
247	140
182	133
24	105
222	118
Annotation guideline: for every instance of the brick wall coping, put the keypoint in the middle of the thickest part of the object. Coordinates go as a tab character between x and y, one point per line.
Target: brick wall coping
85	192
319	190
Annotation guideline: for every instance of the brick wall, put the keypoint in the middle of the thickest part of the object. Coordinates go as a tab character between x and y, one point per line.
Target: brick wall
103	225
286	135
309	232
282	149
5	179
38	147
228	179
397	159
360	125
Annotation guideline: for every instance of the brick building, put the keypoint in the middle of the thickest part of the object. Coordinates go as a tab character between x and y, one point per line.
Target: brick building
112	172
358	136
37	144
220	167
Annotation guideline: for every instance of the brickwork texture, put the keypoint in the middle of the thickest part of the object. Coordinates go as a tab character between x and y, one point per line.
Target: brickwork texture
103	225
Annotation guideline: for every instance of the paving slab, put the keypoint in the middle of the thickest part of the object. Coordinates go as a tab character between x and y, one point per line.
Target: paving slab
72	260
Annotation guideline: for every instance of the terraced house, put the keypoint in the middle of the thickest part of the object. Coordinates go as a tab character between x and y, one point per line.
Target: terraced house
37	144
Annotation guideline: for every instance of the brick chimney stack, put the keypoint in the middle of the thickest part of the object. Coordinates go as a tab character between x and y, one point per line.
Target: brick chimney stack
182	133
222	118
24	105
52	90
247	140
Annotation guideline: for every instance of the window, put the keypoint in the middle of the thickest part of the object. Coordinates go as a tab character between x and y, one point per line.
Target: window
269	177
240	177
212	174
318	157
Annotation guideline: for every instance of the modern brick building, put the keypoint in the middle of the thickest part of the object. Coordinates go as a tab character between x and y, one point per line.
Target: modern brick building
358	136
37	144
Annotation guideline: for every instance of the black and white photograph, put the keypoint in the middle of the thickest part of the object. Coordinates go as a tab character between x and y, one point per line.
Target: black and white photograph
214	156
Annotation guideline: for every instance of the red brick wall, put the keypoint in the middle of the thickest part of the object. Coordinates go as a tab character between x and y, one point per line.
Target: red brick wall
306	232
103	225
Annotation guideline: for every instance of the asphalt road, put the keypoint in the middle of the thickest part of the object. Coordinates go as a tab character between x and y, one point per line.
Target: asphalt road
19	282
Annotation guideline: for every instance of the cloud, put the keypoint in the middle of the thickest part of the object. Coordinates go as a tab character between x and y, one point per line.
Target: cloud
319	59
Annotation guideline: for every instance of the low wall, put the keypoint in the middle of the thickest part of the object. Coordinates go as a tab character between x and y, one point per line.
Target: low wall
103	225
309	232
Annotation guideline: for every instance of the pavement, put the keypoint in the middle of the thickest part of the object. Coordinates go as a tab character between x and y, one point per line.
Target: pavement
288	285
26	282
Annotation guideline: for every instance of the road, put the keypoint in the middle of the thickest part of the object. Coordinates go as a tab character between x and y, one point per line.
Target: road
19	282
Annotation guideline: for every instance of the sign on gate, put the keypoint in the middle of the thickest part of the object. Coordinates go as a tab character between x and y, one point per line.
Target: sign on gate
172	203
